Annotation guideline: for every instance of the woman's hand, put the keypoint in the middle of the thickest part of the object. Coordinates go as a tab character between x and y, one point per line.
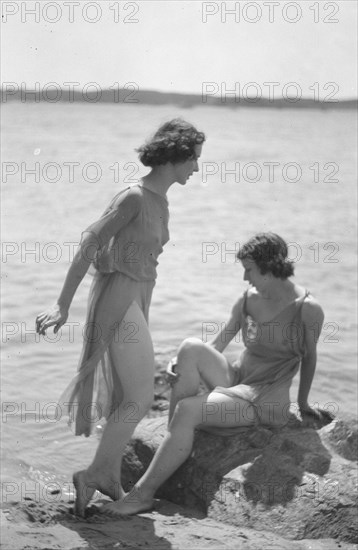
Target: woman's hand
171	375
315	417
54	316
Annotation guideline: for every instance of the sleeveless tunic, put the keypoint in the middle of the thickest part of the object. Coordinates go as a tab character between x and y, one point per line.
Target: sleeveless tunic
130	236
271	358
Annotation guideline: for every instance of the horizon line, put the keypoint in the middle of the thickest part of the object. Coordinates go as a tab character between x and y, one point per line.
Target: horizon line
134	95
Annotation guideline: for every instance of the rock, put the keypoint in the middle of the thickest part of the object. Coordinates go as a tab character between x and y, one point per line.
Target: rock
295	482
343	437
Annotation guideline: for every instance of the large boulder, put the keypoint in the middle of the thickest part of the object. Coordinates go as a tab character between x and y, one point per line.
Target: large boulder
296	482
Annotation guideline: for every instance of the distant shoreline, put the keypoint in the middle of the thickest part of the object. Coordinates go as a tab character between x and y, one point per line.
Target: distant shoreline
131	96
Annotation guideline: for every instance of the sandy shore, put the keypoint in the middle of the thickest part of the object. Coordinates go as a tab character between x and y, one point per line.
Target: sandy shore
31	525
40	525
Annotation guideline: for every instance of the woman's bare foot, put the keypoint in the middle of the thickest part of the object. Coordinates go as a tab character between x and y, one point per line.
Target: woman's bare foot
112	490
85	488
133	503
84	492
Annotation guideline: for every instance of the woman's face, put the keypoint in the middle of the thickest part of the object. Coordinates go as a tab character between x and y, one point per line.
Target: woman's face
184	170
253	275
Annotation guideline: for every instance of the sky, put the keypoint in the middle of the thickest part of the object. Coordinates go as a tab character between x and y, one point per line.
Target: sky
184	46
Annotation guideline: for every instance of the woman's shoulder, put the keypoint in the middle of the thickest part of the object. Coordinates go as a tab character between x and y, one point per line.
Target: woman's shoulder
312	310
240	305
308	300
252	295
129	197
299	294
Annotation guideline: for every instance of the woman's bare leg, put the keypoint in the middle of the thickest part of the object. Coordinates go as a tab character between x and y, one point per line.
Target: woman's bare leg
133	357
212	409
195	361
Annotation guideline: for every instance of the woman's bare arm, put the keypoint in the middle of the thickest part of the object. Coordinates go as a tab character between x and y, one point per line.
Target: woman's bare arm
92	239
232	327
57	315
312	317
78	269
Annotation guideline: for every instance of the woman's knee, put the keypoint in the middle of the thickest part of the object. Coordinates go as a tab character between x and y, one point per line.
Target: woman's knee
190	348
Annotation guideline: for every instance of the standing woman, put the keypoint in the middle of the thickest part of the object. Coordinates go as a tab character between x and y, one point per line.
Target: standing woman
116	367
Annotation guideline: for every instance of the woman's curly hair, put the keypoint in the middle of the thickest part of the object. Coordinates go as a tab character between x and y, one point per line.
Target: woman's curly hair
173	142
269	252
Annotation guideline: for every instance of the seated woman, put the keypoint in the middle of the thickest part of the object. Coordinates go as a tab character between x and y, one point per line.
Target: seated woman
280	323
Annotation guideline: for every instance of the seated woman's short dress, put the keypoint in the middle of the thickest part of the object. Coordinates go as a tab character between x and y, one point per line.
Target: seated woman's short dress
272	356
130	235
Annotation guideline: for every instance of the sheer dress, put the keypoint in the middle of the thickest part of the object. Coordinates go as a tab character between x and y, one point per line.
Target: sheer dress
129	237
271	358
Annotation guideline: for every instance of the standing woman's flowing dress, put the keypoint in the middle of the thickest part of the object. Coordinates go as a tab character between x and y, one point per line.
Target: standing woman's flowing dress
125	272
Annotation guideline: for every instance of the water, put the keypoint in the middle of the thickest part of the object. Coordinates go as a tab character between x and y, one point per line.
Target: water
199	279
